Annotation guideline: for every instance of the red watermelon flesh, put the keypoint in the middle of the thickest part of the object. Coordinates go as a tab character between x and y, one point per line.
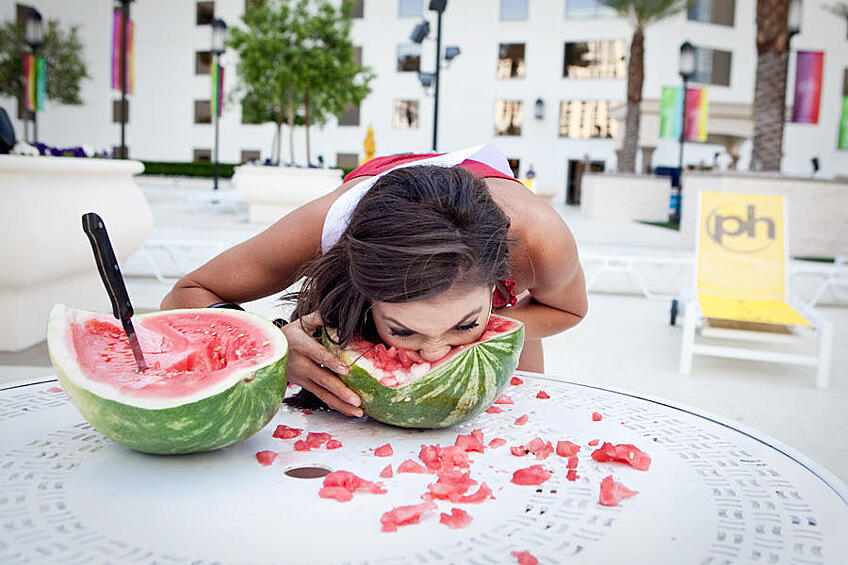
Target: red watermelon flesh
340	485
384	450
613	492
566	448
470	443
623	453
410	466
184	354
285	432
458	518
525	558
450	484
532	475
497	442
405	515
403	366
266	457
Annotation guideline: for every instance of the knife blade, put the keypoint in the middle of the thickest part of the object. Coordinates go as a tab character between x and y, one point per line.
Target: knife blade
110	274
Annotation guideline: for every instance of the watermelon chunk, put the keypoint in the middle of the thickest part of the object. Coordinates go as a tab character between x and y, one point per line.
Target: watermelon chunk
410	466
266	457
497	442
336	493
519	450
623	453
469	443
572	475
566	448
386	473
405	515
613	492
458	518
504	399
542	394
594	442
340	485
493	410
483	493
333	444
541	449
438	458
301	445
521	420
285	432
532	475
384	450
55	389
450	484
314	440
572	462
596	416
516	381
525	558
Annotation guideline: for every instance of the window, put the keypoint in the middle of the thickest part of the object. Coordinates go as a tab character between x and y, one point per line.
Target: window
202	112
116	111
720	12
712	66
409	57
595	59
410	8
205	13
347	160
509	115
357	55
117	153
202	155
582	119
358	8
248	155
511	60
588	9
202	62
514	9
350	117
406	114
514	165
250	4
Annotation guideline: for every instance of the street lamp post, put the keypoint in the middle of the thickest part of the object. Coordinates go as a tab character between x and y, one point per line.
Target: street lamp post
35	39
125	19
418	35
686	68
219	32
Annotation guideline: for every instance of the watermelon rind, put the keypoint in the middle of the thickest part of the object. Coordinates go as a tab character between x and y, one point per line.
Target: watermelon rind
227	413
451	393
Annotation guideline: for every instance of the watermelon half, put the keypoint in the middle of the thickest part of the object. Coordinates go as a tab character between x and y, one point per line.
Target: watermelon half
398	387
215	376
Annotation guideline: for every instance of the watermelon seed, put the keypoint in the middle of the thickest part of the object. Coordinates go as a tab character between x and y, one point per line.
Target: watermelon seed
307	472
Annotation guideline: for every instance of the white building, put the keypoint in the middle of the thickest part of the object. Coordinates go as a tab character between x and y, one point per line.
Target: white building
512	63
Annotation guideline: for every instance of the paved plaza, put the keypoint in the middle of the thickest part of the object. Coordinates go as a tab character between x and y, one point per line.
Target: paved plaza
624	343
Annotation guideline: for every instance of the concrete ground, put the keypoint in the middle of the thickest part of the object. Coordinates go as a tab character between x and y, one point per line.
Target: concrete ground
625	342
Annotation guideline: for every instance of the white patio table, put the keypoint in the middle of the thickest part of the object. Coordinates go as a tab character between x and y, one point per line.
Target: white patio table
715	493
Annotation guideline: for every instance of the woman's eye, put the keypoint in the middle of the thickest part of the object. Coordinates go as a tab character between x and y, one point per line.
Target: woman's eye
467	327
400	333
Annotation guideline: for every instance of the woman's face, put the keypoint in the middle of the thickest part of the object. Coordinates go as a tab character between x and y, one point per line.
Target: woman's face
435	325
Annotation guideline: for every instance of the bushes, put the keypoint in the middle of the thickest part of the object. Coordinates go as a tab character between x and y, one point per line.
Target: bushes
192	169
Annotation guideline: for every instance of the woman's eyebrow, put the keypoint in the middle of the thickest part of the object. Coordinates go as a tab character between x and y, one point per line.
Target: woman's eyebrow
473	313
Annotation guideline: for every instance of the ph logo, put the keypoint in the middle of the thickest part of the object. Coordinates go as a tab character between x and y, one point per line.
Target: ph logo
751	234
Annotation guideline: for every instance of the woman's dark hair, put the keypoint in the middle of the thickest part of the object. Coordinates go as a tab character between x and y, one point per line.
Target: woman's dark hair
416	233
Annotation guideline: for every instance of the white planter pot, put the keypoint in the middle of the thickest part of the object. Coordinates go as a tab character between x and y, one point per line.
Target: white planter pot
273	192
45	256
611	196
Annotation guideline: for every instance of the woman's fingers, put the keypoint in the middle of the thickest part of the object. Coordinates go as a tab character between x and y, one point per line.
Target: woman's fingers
325	386
300	339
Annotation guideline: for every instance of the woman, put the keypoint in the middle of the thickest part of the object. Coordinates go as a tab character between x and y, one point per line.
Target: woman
412	250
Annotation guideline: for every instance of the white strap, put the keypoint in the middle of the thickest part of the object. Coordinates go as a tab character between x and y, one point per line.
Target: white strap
338	216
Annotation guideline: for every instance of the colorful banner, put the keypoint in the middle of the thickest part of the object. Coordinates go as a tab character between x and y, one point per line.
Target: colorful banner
28	75
671	113
671	108
843	125
40	83
808	84
217	89
696	114
117	24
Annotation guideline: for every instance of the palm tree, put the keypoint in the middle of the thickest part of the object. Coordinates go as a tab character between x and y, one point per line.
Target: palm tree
770	89
641	14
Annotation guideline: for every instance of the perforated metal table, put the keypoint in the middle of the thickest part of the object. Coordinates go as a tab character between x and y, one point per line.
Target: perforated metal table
714	493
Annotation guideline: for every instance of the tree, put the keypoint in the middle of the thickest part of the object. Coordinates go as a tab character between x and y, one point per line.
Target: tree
641	14
62	53
296	64
770	89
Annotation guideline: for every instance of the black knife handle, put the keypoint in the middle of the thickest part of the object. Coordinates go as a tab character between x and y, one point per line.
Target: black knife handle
107	265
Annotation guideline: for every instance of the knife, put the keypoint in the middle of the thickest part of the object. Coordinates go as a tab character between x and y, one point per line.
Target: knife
107	265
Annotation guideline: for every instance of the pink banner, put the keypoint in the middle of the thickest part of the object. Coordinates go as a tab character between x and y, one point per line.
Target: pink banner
696	107
808	84
116	49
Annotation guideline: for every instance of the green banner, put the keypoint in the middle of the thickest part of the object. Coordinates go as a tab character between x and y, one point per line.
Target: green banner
40	83
671	110
843	125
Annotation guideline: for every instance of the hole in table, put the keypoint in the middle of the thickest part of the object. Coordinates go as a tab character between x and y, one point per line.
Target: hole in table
311	472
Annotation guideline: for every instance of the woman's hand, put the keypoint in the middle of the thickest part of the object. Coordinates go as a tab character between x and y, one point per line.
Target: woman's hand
308	366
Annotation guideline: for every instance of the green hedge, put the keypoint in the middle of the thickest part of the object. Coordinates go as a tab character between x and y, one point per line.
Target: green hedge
192	169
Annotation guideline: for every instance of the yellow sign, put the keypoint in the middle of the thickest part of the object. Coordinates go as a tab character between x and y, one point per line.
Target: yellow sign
742	259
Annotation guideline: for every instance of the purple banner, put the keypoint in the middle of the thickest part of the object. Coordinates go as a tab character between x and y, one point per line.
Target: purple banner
808	84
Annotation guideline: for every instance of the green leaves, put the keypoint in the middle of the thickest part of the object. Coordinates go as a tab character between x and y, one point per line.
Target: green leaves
645	12
62	52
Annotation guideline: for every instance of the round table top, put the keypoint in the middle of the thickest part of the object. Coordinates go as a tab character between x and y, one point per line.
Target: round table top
714	493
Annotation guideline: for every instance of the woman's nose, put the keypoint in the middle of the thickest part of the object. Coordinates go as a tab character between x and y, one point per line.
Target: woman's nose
431	352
